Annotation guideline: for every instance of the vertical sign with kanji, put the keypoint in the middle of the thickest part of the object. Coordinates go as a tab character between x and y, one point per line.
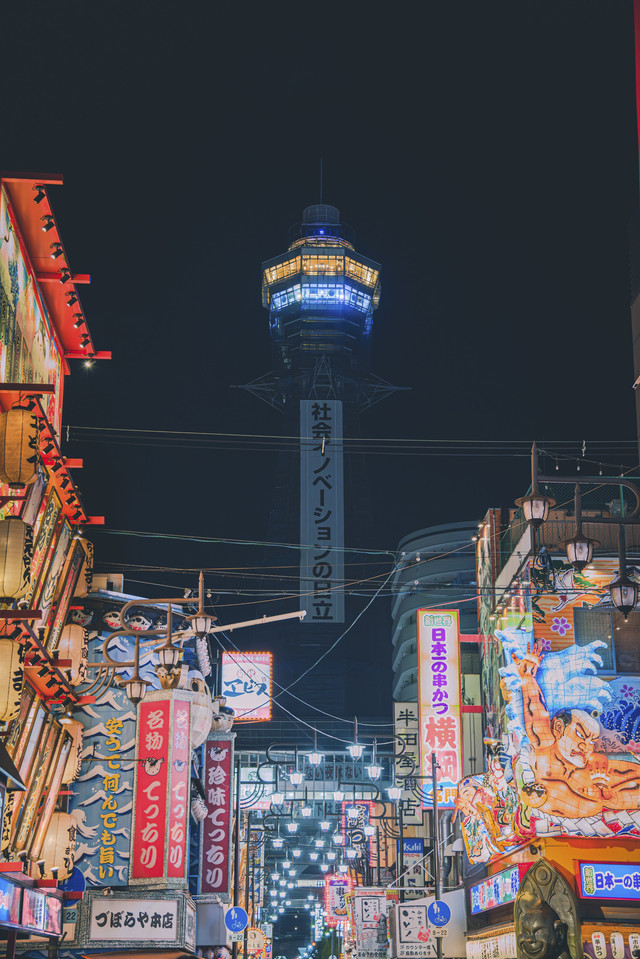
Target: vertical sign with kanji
150	809
215	846
407	763
322	510
439	702
179	791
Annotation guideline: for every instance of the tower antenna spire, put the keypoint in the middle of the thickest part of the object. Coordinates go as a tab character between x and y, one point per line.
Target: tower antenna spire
321	179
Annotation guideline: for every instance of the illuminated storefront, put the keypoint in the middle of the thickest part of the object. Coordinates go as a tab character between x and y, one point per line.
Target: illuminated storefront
47	561
560	790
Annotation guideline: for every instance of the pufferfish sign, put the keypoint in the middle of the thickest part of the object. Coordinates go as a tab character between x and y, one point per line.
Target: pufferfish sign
571	766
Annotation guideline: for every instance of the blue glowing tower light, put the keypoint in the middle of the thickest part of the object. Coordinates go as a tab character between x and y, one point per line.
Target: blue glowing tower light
320	294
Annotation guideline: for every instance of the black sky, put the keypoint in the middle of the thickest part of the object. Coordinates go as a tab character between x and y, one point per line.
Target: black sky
485	154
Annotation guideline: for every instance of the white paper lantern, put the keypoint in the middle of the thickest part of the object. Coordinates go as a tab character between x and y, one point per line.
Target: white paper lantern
74	760
19	447
11	678
59	847
74	645
16	544
201	711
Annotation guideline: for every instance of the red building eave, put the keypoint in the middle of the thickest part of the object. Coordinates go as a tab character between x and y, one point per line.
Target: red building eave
56	280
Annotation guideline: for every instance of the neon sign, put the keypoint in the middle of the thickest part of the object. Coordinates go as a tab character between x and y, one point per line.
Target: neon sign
609	880
439	702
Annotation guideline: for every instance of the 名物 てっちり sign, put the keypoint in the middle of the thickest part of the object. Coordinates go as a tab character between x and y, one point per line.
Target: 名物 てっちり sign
439	702
162	788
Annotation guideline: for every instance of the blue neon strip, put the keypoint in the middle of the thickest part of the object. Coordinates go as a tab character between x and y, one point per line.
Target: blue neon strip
324	294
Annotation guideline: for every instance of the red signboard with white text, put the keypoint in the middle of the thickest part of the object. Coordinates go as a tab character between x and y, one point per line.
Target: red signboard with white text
179	792
150	808
215	846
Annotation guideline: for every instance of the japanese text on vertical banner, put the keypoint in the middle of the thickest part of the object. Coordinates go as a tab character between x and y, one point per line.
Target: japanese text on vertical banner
151	791
439	702
407	764
111	786
216	828
178	801
322	509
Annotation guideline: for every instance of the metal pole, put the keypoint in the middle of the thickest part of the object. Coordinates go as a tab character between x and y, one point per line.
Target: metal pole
400	856
436	840
246	883
378	853
236	853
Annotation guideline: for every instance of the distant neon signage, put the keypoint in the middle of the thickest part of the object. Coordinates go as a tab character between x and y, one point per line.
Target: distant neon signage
336	891
439	702
609	880
497	890
246	682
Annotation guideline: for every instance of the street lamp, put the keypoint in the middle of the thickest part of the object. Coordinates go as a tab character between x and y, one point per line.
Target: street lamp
536	505
356	749
580	547
374	771
394	792
623	591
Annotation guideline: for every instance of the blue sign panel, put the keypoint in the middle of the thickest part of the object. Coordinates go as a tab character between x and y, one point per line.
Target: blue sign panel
610	880
9	903
236	919
495	891
103	793
412	847
439	913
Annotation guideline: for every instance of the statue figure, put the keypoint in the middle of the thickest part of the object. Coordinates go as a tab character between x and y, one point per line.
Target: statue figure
542	933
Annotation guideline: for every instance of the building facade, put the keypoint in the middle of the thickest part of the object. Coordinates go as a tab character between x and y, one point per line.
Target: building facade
552	824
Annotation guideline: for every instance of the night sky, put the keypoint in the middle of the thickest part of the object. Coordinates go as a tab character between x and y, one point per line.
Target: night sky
486	155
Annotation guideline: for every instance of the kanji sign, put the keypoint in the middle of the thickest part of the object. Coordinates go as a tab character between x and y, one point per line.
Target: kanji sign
610	880
151	790
322	510
216	828
439	702
133	919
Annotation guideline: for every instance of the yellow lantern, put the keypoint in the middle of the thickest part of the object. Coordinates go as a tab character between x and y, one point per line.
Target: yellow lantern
74	645
74	762
59	847
16	544
19	445
11	678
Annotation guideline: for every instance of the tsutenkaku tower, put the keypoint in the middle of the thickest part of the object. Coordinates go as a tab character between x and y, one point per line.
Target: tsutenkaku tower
321	296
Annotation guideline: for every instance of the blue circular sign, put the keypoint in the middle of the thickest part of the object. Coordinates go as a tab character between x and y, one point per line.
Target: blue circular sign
236	919
439	913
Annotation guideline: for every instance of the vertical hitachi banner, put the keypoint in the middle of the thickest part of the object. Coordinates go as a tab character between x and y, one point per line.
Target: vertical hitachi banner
321	510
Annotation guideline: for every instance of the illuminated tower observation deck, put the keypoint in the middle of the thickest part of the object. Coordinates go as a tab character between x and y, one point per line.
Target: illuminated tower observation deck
321	296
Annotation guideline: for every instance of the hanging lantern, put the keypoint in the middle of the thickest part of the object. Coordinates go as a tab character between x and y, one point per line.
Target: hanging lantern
85	578
11	678
201	712
198	809
16	545
59	847
19	444
74	645
74	760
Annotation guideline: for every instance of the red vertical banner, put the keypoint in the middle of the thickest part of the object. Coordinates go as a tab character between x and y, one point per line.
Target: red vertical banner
215	847
179	794
151	790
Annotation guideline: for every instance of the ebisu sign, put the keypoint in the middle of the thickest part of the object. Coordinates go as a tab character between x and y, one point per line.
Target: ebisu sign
439	702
